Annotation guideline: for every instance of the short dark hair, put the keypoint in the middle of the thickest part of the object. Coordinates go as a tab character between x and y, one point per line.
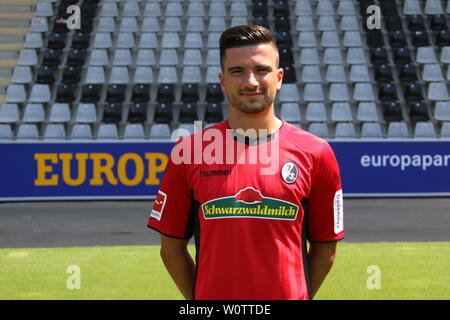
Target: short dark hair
245	35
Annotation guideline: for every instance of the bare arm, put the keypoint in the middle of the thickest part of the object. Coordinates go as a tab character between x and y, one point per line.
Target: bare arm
179	264
320	259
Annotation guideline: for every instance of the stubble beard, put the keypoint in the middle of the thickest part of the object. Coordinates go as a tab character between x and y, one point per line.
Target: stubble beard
252	107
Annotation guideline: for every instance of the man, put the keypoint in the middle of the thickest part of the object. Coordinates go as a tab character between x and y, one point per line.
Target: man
250	228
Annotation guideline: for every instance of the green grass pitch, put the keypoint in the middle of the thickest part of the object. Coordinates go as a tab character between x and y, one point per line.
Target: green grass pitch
406	271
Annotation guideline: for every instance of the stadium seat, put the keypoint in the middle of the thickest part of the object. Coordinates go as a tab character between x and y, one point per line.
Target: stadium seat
163	113
137	113
341	111
319	129
81	132
9	113
133	131
91	93
22	74
316	111
188	113
290	112
6	132
40	93
213	113
59	112
86	113
424	130
27	132
65	93
367	111
112	112
55	131
160	131
345	130
190	92
441	111
107	131
371	130
141	93
116	93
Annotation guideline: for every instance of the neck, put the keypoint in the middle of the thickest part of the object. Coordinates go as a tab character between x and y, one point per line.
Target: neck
265	120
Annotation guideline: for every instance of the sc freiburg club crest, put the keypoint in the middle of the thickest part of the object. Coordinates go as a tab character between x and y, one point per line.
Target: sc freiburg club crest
289	172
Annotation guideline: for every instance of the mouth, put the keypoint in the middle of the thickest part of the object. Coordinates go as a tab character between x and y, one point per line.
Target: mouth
251	94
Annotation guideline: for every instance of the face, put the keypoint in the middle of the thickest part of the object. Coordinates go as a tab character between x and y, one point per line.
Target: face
251	77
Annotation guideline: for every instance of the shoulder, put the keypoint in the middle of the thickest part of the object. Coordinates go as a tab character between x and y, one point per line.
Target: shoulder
304	141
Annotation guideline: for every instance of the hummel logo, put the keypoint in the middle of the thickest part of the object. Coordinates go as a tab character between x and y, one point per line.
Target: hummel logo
215	173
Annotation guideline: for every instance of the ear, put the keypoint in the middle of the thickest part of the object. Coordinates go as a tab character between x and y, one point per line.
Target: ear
280	74
222	81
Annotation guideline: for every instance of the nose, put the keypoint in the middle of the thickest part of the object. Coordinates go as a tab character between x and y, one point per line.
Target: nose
251	80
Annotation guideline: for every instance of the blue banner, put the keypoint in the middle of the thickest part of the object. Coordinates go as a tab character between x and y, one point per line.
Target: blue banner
133	170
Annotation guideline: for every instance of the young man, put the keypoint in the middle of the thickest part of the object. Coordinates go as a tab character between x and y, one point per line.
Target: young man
250	227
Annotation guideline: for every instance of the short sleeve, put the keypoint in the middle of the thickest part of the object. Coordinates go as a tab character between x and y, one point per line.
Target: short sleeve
172	211
325	203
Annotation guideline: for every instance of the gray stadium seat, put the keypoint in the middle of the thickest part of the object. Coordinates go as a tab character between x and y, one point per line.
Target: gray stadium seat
338	92
442	111
15	93
412	7
160	131
9	113
319	129
345	130
168	57
107	131
290	112
59	112
40	93
288	93
86	113
341	111
143	75
27	131
311	73
5	132
313	92
27	57
22	74
133	131
371	130
55	131
397	130
367	111
81	132
33	40
316	111
33	113
332	56
99	57
145	57
424	130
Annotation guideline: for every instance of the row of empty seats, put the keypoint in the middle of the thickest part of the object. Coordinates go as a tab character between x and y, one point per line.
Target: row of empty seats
292	112
367	130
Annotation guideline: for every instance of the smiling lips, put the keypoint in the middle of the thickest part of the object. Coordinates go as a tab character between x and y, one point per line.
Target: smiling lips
251	94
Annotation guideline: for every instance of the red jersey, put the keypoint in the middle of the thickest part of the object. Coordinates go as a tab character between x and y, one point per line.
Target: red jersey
251	228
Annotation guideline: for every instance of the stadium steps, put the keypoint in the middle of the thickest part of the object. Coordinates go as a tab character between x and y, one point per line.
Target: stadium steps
15	16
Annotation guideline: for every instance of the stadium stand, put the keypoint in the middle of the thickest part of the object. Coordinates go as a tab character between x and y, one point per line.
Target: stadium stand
143	68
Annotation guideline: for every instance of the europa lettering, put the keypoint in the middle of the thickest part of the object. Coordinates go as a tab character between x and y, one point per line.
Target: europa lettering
98	169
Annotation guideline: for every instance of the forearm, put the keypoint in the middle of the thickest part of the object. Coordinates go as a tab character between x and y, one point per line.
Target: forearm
320	261
181	268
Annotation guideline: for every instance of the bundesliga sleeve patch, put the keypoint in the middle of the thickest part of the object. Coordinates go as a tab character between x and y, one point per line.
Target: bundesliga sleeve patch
158	207
338	212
